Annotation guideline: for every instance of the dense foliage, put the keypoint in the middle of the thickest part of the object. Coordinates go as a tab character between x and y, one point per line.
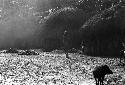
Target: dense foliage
97	23
103	33
29	24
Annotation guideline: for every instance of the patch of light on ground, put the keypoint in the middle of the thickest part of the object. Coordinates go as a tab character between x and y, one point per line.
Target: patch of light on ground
87	82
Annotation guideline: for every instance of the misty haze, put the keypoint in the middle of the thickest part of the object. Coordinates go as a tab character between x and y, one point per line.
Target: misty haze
62	42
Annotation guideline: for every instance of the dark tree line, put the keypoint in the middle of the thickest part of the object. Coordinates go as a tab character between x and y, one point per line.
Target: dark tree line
70	19
102	34
99	24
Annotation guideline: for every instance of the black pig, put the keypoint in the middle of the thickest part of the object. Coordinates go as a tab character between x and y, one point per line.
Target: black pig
100	72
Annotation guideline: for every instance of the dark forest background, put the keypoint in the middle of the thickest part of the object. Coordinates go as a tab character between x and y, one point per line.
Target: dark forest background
96	27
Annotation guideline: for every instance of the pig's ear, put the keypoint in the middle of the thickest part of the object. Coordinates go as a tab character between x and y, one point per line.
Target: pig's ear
105	66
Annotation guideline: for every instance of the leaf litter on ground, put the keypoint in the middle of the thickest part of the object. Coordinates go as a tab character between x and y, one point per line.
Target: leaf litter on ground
56	69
